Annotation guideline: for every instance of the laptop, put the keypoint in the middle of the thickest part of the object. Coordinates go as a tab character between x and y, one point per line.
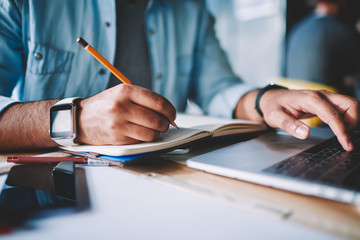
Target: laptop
317	166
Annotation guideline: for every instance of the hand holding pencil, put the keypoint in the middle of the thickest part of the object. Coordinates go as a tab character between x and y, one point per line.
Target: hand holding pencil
108	65
124	114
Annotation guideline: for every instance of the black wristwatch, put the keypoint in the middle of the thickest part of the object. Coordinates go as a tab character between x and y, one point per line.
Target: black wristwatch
261	92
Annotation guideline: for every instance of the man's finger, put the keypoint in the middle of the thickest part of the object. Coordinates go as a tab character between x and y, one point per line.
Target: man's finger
290	124
346	105
319	105
140	133
150	100
145	117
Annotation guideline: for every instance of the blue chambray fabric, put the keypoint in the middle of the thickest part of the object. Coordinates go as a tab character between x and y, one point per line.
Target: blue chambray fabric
41	59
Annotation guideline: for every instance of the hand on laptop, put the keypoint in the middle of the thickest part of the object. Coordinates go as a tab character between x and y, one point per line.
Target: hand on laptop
282	109
124	114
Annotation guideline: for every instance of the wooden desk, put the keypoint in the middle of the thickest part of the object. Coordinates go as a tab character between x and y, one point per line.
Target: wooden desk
325	215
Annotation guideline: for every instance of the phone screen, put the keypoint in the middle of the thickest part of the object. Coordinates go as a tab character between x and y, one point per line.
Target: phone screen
29	192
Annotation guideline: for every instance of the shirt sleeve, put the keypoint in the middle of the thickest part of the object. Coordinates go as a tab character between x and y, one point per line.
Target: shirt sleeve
216	88
11	64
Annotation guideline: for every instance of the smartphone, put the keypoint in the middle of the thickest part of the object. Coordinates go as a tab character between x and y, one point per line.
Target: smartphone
32	191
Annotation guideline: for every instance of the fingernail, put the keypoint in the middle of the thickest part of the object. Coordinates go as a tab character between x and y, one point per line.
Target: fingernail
350	146
301	132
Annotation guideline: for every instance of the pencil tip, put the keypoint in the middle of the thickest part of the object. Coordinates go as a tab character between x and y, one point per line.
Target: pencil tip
174	124
82	42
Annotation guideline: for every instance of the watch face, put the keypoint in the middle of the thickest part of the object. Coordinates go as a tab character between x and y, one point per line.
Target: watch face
62	121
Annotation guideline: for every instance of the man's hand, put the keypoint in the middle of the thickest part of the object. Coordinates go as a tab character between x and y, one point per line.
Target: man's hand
282	109
124	114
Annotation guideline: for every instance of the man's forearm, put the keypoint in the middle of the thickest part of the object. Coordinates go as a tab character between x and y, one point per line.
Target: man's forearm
245	109
26	126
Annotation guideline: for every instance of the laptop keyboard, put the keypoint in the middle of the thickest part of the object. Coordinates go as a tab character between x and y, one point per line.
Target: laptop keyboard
325	163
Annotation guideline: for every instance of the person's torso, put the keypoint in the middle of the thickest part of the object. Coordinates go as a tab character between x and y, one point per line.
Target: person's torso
57	67
318	51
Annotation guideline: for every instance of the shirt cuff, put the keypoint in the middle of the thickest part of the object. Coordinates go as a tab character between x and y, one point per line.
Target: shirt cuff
6	102
224	103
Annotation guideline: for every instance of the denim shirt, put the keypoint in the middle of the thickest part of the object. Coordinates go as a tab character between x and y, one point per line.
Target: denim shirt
41	59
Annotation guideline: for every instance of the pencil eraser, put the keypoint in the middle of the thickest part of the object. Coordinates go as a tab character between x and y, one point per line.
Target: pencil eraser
82	42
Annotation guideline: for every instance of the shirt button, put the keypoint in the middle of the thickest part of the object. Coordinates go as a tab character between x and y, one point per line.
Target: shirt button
159	76
38	56
107	24
152	31
102	71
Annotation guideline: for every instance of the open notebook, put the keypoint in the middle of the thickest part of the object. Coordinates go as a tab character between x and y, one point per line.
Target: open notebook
192	128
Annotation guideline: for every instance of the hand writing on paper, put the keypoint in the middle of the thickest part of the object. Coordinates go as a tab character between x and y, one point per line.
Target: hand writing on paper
124	114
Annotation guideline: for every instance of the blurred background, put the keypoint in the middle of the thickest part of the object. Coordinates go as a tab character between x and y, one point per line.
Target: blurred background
302	44
252	33
255	35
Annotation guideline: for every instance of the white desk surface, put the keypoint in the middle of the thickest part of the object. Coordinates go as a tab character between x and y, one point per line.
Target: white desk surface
128	206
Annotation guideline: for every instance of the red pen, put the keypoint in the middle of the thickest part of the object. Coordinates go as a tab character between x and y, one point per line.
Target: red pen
46	159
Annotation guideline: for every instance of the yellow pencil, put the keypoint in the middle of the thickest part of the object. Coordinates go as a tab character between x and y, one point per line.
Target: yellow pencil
108	65
103	61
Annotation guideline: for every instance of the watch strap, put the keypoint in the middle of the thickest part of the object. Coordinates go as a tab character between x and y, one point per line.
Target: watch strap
261	93
68	100
66	141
